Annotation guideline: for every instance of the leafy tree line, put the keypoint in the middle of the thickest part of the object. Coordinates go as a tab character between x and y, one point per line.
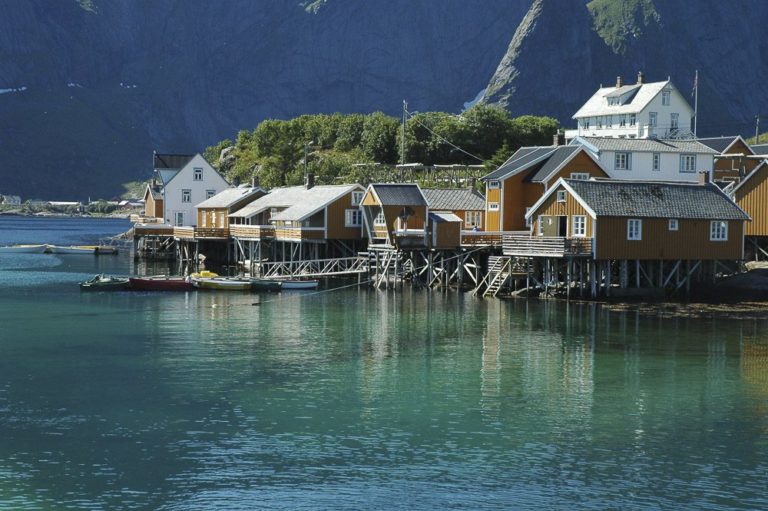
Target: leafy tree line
274	151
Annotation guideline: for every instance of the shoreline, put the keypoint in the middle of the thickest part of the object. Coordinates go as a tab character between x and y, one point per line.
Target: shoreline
16	213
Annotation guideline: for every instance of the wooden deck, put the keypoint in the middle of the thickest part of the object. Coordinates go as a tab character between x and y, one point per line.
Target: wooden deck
487	238
300	233
542	246
252	232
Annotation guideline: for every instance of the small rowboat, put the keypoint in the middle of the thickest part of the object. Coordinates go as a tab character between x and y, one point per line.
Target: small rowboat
103	282
161	283
299	284
266	285
90	250
24	249
222	284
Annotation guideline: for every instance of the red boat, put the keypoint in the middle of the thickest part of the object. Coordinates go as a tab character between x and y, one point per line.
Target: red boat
161	283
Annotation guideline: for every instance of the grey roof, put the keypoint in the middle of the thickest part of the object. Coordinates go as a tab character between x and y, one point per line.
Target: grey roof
444	217
719	144
171	161
229	197
557	158
760	148
156	192
454	199
404	194
520	160
296	202
167	174
748	177
625	89
650	199
647	145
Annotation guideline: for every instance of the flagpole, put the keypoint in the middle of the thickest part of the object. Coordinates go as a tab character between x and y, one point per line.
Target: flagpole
696	103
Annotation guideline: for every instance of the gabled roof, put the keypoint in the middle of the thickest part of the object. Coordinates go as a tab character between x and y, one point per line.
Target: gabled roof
643	145
229	197
399	194
156	192
171	161
444	217
654	199
760	148
749	176
636	102
722	144
167	174
297	202
560	156
453	199
521	160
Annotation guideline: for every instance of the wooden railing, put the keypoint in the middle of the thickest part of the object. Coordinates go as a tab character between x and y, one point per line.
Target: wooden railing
545	246
258	232
184	232
486	238
299	233
152	230
211	232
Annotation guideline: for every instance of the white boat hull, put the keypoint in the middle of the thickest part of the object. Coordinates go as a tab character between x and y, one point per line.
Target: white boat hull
24	249
72	250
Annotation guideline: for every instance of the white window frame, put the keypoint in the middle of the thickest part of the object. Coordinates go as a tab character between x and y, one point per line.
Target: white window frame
579	226
634	229
179	218
585	123
380	219
674	121
656	161
580	176
632	119
186	196
209	193
718	230
494	184
653	119
560	195
353	218
623	120
357	198
599	121
493	206
624	163
197	174
674	225
665	97
473	219
687	163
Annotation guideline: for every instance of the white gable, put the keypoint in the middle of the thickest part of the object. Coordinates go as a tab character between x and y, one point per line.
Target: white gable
193	184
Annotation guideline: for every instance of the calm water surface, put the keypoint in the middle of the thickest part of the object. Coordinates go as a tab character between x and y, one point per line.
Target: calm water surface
357	399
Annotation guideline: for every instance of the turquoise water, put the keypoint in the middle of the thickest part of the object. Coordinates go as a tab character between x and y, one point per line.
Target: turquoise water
358	399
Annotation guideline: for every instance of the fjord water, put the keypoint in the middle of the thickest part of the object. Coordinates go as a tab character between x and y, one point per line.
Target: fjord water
356	399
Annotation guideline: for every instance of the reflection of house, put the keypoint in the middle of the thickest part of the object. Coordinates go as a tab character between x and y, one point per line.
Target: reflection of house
395	215
466	203
736	165
180	182
639	110
640	220
515	186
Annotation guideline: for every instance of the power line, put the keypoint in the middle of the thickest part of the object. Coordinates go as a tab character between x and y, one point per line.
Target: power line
445	140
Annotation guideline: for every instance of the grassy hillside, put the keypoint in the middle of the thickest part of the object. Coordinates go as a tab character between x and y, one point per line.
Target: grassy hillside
616	21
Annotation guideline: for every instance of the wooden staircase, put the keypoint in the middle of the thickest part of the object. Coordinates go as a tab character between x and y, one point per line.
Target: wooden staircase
499	270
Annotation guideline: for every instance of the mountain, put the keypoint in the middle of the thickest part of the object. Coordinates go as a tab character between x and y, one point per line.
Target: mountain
564	49
88	88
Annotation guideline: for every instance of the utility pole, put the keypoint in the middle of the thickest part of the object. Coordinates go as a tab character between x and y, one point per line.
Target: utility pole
696	103
757	129
402	138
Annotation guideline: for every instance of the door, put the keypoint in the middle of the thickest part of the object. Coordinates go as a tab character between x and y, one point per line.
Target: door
562	226
547	225
179	218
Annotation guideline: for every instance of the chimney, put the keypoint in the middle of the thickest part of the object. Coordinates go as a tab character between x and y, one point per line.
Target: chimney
558	138
618	82
703	177
309	181
640	78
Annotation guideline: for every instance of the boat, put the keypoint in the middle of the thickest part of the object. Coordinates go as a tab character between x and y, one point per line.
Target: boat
106	250
81	249
299	284
161	283
24	249
266	284
103	282
222	283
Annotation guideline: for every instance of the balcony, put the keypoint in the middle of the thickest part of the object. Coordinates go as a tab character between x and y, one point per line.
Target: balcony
252	232
486	238
184	232
545	246
212	233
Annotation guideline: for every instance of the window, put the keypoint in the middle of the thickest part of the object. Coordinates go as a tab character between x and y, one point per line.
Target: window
186	196
665	98
687	163
623	161
673	224
380	220
632	119
357	197
608	121
613	101
561	196
634	229
586	123
493	206
582	176
652	119
600	121
527	218
656	161
623	120
198	174
718	230
674	121
578	226
209	193
179	218
353	218
473	219
493	184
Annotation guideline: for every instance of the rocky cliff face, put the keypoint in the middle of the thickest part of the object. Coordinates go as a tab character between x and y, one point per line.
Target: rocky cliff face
563	50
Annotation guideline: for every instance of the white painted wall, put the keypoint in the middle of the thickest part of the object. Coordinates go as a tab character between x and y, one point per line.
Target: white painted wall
642	166
184	180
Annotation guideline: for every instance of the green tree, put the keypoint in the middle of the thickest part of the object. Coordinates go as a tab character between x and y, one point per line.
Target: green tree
378	140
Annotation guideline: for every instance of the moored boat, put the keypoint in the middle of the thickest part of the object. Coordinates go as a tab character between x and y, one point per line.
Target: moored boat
81	249
299	284
222	283
161	283
103	282
24	249
266	284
